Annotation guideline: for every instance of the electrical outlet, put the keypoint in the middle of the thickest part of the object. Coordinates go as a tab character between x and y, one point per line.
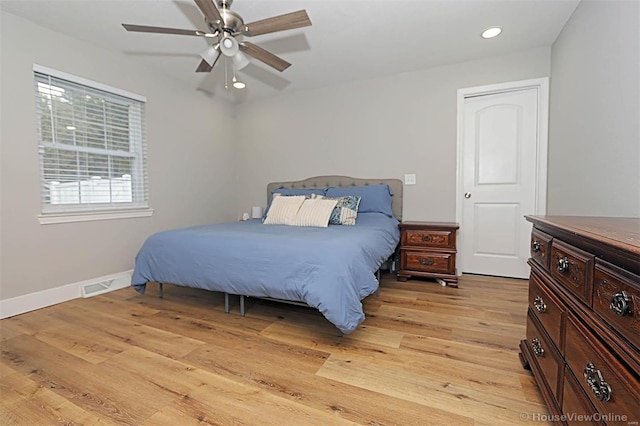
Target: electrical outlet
410	179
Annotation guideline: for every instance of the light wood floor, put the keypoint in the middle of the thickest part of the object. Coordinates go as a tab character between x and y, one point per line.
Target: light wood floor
426	354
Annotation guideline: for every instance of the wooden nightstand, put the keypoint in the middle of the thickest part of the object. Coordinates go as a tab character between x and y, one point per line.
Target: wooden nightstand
428	249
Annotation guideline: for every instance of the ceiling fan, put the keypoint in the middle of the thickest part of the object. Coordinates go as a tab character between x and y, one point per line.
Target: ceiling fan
224	26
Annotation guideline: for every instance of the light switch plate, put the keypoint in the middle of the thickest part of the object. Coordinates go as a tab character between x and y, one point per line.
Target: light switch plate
410	179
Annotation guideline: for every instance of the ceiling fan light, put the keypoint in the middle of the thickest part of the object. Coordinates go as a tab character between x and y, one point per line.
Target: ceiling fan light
229	46
240	61
238	84
210	54
491	32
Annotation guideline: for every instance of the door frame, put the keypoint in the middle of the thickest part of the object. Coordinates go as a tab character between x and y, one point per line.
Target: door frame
542	87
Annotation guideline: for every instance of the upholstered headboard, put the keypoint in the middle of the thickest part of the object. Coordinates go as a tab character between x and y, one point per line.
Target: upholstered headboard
342	181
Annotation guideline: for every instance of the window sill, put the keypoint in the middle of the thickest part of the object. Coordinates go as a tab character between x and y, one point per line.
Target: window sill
52	218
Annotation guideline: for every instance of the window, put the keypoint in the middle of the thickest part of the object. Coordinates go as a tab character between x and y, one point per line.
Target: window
91	144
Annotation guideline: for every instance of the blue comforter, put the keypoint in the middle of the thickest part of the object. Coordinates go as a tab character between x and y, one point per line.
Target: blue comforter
331	269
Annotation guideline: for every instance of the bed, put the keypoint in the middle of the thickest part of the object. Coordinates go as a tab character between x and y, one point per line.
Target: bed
331	269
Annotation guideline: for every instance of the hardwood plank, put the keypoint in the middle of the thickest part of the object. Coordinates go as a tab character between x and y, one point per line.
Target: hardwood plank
397	382
107	394
463	351
29	403
130	332
83	343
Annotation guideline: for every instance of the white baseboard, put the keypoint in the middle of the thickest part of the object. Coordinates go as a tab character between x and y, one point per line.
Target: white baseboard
42	299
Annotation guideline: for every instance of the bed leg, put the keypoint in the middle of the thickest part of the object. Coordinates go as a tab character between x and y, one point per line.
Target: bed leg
160	291
242	305
226	302
340	333
378	275
378	292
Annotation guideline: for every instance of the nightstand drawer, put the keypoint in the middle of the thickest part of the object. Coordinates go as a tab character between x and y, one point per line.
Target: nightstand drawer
419	238
443	263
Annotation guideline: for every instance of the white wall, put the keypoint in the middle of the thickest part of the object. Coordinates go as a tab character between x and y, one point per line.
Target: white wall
377	128
191	148
594	128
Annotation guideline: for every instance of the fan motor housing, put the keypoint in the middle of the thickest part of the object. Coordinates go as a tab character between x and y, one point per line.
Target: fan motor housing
232	21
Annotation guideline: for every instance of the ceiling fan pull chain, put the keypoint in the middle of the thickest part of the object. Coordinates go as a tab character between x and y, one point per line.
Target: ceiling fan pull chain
226	79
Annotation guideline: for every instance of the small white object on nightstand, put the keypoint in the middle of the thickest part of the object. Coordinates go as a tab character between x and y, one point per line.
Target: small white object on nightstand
256	212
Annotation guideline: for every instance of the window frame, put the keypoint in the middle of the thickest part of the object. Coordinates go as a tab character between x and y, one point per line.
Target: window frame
94	211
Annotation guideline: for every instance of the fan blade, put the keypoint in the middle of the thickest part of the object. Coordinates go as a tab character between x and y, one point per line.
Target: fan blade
264	56
284	22
162	30
205	67
210	11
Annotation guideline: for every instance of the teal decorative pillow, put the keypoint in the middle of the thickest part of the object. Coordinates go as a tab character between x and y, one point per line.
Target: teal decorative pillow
346	210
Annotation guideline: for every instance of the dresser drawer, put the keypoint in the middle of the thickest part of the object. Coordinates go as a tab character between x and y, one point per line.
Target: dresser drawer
547	308
425	261
616	298
541	248
428	238
545	354
576	404
573	268
610	386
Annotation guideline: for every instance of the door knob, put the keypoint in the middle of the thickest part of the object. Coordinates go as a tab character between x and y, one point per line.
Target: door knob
467	195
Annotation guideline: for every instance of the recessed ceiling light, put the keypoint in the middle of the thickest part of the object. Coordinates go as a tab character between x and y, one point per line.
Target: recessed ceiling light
491	32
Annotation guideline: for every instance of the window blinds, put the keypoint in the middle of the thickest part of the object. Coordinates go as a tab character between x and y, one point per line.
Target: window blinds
92	146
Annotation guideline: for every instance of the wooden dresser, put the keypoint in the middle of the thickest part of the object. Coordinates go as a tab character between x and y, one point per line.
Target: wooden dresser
428	249
583	320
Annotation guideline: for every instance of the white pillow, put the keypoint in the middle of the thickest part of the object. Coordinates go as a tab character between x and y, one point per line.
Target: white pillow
314	212
284	209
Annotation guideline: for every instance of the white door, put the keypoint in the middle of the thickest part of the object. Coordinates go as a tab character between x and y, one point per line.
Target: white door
499	176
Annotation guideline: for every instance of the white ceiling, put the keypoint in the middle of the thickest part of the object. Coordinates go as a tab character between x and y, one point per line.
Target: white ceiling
349	39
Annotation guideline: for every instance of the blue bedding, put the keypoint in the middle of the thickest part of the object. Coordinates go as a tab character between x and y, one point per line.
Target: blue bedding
331	269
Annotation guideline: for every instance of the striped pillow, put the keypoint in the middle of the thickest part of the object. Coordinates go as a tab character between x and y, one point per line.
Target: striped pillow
314	212
284	209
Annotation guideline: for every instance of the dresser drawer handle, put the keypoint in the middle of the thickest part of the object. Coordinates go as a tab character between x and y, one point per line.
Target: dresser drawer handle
537	347
596	382
620	304
563	264
540	305
428	261
535	246
427	238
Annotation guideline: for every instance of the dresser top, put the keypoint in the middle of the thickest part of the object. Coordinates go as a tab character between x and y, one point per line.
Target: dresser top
620	232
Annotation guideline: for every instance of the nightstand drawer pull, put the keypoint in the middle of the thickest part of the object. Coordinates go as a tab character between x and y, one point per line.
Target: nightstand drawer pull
427	238
535	246
537	347
620	304
540	305
427	262
596	382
